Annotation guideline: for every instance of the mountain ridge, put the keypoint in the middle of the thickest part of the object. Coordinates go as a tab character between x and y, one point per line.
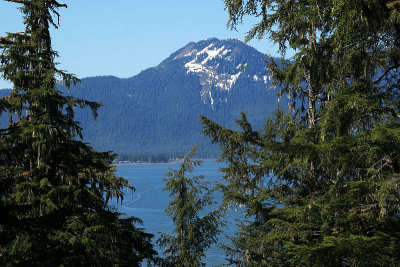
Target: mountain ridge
157	110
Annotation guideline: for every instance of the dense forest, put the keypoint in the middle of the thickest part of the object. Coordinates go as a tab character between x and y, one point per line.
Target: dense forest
319	182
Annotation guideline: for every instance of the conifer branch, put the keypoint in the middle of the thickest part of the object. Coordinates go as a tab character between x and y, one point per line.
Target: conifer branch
5	40
57	4
54	2
390	110
386	72
393	5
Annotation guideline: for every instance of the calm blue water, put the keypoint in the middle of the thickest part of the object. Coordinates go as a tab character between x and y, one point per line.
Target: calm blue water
149	201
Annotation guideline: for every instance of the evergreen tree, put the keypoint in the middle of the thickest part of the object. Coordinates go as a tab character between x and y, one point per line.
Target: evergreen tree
320	184
53	187
193	233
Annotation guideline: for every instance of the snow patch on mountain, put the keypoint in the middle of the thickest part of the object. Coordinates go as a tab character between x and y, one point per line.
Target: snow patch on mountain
219	65
185	54
200	63
213	53
232	80
205	64
266	78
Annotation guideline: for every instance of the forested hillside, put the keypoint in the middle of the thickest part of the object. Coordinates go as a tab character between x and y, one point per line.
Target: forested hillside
157	111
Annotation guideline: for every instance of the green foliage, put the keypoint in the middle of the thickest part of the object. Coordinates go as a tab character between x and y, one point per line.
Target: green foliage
320	184
53	187
193	233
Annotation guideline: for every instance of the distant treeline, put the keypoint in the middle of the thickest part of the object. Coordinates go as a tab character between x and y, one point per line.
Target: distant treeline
158	157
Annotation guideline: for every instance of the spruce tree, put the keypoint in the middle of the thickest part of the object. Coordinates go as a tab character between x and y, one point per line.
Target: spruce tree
53	187
193	233
320	182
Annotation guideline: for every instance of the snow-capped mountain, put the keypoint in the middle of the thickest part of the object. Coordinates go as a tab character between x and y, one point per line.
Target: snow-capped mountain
219	64
157	111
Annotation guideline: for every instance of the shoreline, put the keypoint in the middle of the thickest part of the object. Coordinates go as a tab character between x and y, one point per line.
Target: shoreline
145	163
155	163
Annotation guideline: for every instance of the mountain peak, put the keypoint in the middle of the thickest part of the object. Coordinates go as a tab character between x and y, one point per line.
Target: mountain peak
157	110
219	64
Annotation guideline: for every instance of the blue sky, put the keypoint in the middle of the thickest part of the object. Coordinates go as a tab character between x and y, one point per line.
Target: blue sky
124	37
